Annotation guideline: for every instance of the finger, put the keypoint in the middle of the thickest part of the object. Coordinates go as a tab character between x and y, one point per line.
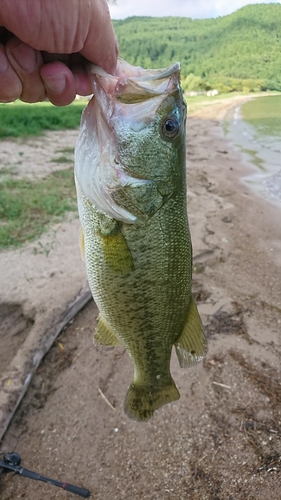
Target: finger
10	84
100	46
59	83
82	83
26	62
78	66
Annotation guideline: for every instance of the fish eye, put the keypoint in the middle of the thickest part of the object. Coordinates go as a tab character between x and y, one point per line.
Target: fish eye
170	126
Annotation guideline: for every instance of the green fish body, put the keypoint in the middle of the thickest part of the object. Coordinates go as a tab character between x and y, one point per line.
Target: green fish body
131	190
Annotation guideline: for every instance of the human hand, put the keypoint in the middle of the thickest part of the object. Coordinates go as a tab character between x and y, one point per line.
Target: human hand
44	45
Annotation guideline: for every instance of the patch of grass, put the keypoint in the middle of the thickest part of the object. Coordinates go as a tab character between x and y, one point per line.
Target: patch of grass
66	157
7	171
62	159
65	150
21	119
27	207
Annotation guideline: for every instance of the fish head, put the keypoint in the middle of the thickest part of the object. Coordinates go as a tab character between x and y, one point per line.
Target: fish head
132	134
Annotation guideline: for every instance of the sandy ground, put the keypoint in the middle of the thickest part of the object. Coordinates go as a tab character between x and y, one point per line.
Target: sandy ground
222	439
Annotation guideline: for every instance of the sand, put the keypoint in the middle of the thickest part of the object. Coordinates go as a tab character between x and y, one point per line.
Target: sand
222	439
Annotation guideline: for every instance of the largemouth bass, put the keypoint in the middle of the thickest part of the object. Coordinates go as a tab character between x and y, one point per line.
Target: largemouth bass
131	187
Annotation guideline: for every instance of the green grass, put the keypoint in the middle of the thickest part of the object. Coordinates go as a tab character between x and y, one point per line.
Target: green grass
8	172
62	159
264	114
20	119
65	150
66	157
28	207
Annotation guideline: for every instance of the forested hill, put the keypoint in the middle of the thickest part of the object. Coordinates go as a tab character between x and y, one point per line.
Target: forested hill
243	48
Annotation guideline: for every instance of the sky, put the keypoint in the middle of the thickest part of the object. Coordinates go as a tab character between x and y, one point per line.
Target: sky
197	9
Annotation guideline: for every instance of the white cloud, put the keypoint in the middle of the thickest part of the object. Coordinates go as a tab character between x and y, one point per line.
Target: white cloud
183	8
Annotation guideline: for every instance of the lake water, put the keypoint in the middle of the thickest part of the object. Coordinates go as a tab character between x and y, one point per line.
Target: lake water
255	129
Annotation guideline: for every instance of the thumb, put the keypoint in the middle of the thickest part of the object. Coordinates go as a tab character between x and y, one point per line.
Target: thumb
101	46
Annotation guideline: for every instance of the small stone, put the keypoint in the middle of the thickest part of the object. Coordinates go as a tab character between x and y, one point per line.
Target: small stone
227	219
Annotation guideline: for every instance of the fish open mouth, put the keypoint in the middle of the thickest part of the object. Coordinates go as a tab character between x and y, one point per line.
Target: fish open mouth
135	83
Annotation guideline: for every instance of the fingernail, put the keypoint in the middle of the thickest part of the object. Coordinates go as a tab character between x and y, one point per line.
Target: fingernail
3	62
55	83
24	56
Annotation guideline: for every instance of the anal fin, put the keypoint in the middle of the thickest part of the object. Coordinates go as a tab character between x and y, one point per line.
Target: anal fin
104	335
191	346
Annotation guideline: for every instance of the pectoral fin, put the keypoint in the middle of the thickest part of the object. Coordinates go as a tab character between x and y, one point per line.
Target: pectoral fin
191	346
116	252
104	335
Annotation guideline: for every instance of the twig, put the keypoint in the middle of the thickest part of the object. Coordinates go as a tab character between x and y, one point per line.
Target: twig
105	399
222	385
201	459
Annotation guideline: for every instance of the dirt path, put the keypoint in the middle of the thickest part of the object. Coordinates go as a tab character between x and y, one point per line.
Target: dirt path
222	439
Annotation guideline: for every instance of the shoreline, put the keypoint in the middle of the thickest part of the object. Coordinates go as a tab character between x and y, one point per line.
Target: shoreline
260	177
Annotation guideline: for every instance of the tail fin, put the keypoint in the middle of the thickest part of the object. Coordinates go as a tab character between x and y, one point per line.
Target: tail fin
141	402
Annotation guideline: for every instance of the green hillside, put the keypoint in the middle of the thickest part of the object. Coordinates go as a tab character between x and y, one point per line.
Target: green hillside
238	51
